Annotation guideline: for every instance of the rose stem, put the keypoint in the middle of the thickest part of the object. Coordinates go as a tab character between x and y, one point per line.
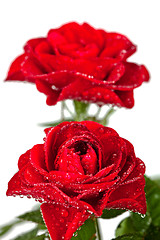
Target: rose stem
62	110
98	229
66	107
108	114
98	112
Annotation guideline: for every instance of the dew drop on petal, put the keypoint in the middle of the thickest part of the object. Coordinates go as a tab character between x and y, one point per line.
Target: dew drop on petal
64	213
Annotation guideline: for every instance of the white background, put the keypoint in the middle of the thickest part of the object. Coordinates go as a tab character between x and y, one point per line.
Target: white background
22	106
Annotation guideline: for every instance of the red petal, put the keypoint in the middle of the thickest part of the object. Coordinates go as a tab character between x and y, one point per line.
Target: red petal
43	47
52	95
30	176
99	175
62	222
62	179
91	34
126	97
98	68
69	31
89	161
30	68
32	44
15	72
68	161
85	91
99	130
56	137
117	45
137	172
24	159
133	77
55	39
37	158
14	186
90	50
58	79
126	196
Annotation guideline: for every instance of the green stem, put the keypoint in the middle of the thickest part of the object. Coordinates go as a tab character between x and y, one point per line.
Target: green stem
62	110
98	112
106	117
98	229
67	108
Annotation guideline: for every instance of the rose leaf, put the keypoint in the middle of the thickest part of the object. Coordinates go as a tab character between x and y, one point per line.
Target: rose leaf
111	213
33	216
30	235
86	232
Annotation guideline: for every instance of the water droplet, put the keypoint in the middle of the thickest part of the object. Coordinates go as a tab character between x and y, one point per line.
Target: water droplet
61	220
64	213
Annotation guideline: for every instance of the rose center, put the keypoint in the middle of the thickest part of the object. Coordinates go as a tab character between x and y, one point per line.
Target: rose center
79	157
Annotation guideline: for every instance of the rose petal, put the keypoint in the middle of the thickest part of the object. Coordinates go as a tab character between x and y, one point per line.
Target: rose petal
32	44
15	72
24	159
68	161
69	31
29	175
117	45
62	222
126	97
30	68
52	94
62	179
37	158
84	91
97	68
56	137
127	191
133	77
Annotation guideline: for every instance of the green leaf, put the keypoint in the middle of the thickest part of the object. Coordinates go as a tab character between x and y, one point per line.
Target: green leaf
81	109
33	216
147	226
6	228
40	237
140	224
30	235
55	123
130	237
111	213
125	227
153	233
152	190
86	232
157	180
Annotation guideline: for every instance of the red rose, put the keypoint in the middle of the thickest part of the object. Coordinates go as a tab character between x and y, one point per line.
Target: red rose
82	168
79	62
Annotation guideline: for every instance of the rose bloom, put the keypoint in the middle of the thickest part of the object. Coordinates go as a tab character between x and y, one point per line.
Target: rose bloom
79	62
82	168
